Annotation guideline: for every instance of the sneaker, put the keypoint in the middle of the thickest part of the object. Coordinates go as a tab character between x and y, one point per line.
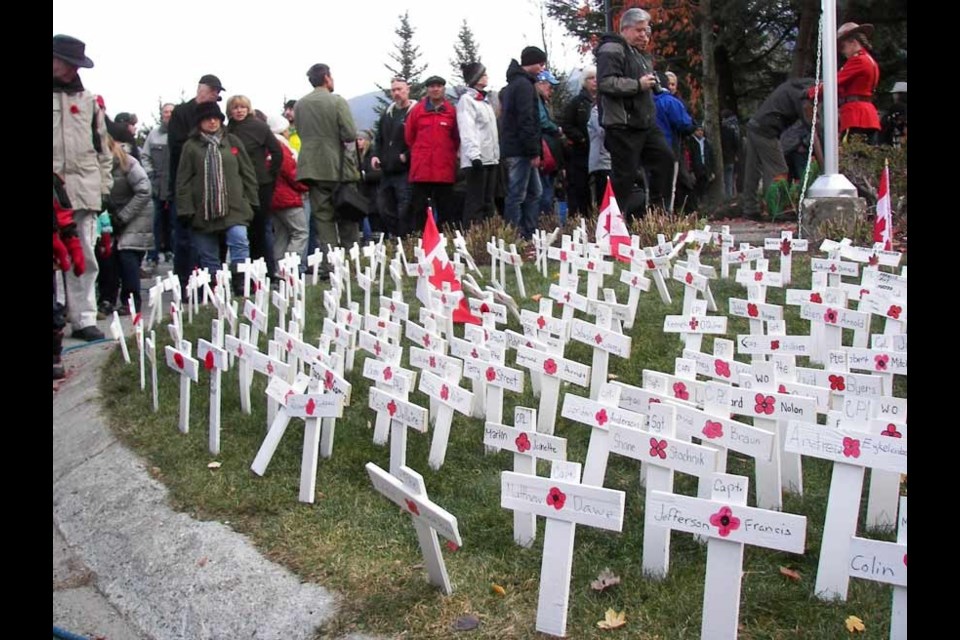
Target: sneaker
123	311
88	334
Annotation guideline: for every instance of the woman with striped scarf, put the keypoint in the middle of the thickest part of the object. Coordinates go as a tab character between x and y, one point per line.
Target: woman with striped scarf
217	189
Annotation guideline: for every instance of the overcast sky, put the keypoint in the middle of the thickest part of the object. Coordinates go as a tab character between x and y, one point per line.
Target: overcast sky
149	51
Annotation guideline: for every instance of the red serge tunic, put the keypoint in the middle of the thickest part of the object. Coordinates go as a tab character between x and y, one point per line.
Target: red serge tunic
858	77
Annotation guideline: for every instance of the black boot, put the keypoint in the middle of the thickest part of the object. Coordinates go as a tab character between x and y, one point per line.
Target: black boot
236	281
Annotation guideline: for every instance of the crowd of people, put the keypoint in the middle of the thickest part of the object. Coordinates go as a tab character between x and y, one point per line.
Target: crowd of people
209	187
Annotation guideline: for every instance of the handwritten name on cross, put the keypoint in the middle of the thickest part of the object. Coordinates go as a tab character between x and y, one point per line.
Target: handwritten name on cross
851	450
565	504
786	244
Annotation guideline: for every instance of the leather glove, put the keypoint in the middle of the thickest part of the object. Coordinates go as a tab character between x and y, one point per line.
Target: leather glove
60	256
106	244
117	224
107	204
476	163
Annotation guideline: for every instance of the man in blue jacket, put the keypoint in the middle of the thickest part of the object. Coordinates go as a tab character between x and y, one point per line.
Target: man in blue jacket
520	140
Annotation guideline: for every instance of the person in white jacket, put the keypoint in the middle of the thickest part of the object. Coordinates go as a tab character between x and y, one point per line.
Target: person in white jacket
479	145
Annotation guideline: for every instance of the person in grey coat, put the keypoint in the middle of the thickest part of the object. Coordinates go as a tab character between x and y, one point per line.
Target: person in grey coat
133	222
156	162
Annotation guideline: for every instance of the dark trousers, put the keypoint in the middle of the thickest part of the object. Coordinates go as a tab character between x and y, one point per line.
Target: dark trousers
130	260
393	200
578	185
440	196
598	186
633	149
184	255
108	278
481	187
261	231
59	321
163	223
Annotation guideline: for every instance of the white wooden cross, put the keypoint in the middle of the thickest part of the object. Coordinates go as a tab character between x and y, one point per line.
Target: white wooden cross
451	397
214	358
565	504
834	320
365	281
662	453
180	361
599	415
511	257
310	407
893	311
553	368
711	425
696	280
880	417
656	265
390	378
758	279
636	282
786	245
526	445
565	294
399	310
721	365
494	253
729	524
155	299
496	377
279	390
603	341
401	416
448	368
596	267
564	254
383	327
281	300
694	324
116	332
354	321
326	374
407	490
835	269
150	346
741	257
485	305
886	562
257	316
240	348
250	271
460	247
851	451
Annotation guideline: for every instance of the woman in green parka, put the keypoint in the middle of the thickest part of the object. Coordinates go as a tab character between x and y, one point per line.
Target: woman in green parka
217	188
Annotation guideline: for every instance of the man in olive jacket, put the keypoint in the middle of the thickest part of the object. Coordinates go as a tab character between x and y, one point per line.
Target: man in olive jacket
625	83
326	127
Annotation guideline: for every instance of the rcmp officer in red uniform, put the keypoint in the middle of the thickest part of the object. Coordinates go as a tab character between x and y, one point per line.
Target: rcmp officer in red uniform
856	82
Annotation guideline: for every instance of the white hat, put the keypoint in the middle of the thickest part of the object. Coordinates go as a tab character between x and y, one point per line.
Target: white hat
278	124
899	87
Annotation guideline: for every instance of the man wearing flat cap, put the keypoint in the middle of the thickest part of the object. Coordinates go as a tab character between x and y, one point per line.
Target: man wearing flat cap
82	159
433	137
183	121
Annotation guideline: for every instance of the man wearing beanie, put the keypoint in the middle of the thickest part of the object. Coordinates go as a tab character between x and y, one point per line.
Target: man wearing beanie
521	143
626	83
82	159
479	144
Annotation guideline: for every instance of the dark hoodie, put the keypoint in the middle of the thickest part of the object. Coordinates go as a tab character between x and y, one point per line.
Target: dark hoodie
520	115
622	103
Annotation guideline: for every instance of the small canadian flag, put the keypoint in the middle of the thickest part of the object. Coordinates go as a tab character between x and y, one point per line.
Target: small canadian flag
611	229
883	224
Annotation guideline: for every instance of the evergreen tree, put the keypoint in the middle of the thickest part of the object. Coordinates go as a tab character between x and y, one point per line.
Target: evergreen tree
406	65
465	50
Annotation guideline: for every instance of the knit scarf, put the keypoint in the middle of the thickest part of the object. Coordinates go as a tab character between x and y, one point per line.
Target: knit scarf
214	185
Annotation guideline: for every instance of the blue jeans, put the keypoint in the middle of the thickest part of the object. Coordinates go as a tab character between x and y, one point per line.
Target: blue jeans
546	198
729	189
208	247
164	217
523	188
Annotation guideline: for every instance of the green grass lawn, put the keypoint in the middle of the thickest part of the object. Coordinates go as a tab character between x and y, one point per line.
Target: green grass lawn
356	542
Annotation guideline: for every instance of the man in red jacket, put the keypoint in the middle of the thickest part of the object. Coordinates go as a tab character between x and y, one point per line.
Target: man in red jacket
433	138
856	82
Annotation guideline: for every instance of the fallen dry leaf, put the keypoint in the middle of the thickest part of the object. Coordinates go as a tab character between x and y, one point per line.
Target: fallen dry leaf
497	589
612	376
613	620
605	580
536	297
854	624
202	562
466	623
213	465
790	573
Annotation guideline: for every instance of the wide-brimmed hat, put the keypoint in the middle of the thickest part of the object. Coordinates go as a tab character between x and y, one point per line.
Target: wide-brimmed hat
71	50
850	29
899	87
